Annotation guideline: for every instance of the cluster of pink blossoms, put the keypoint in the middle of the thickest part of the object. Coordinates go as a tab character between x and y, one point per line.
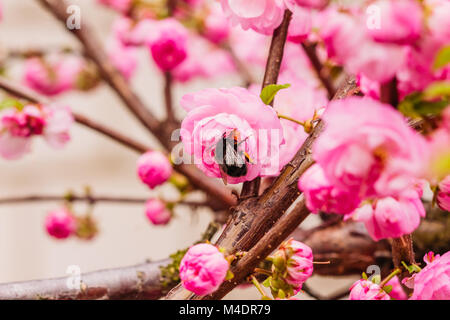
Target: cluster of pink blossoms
19	125
367	152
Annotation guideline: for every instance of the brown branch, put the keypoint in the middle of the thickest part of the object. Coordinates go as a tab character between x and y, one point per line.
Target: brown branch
254	217
269	242
311	52
171	120
239	64
276	52
389	93
136	282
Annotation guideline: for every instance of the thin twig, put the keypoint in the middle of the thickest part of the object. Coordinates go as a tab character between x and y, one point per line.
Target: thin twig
168	98
311	52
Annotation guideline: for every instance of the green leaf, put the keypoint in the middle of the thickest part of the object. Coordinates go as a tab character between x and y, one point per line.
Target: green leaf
437	90
442	58
230	275
269	92
11	103
387	289
266	282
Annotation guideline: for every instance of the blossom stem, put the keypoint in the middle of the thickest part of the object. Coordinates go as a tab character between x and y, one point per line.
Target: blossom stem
291	119
263	271
258	286
390	276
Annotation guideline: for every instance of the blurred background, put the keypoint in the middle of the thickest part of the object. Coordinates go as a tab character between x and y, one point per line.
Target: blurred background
126	236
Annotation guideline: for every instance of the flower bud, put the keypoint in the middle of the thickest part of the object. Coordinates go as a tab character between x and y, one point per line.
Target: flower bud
86	227
203	269
367	290
154	169
157	212
60	223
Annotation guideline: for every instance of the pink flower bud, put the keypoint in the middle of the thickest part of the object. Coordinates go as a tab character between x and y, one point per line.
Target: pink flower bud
168	45
203	269
433	282
60	223
25	123
367	290
443	196
322	196
154	168
294	262
157	212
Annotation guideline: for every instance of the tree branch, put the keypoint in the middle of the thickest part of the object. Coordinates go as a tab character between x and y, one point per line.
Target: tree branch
311	52
141	281
276	52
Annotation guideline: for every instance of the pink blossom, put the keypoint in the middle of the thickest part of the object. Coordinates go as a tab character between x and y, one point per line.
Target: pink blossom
391	218
244	43
400	22
59	120
168	45
124	58
397	291
321	196
157	212
443	196
60	223
439	20
131	33
433	282
367	290
216	26
52	76
154	168
203	269
18	127
263	16
315	4
203	61
368	146
119	5
300	26
216	113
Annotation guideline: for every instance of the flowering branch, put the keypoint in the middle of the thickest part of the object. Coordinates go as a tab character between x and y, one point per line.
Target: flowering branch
254	217
135	105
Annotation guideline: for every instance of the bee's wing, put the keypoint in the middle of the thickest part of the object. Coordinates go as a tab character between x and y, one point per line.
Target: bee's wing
223	175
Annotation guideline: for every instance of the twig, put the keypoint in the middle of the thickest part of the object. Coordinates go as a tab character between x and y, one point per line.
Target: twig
70	198
251	188
389	92
168	98
311	52
240	66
